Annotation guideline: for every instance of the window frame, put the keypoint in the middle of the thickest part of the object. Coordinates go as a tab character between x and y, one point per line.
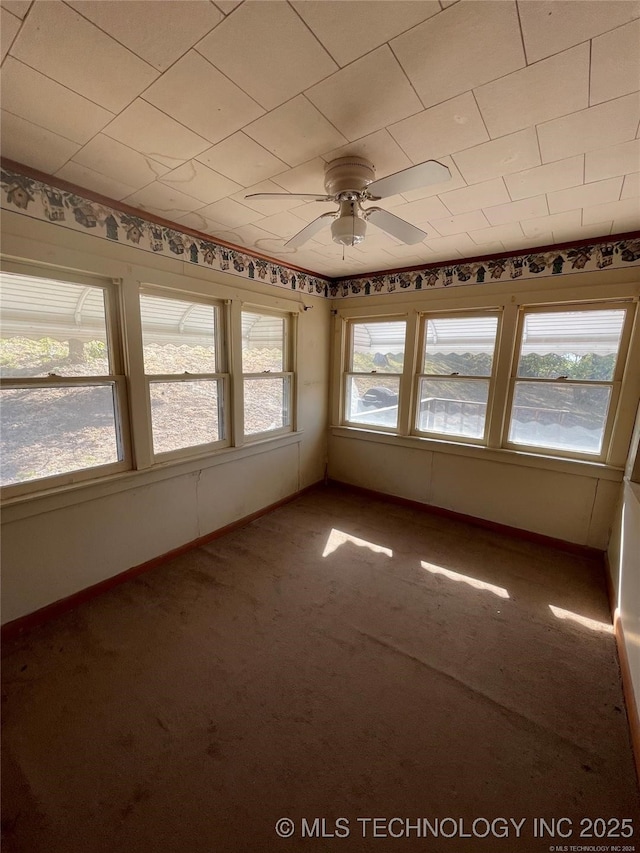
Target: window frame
348	372
418	375
116	380
629	306
288	375
222	378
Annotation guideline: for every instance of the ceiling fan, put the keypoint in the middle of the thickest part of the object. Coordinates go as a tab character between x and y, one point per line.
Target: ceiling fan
349	181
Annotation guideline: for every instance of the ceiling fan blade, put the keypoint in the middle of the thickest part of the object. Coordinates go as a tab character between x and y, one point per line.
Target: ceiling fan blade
395	226
412	178
308	231
308	196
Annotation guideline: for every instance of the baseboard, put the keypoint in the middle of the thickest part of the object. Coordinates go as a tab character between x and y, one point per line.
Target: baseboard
529	535
633	712
50	611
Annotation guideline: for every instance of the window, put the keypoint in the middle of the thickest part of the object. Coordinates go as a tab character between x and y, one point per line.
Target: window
184	362
266	369
375	365
456	366
63	403
566	379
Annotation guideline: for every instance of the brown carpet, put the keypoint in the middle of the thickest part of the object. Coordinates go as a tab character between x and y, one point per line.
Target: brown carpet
255	679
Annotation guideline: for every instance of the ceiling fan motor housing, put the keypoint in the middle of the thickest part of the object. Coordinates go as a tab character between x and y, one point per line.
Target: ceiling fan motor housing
348	173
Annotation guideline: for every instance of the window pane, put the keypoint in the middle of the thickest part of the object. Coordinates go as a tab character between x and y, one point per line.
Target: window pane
178	336
453	407
562	417
378	346
575	344
266	404
184	414
373	400
262	343
51	327
463	345
48	431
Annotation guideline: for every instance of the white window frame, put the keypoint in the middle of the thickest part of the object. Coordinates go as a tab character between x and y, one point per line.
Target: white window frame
288	375
117	380
221	377
615	383
348	372
489	380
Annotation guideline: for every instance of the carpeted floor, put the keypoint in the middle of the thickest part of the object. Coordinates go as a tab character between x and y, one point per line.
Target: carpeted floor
340	658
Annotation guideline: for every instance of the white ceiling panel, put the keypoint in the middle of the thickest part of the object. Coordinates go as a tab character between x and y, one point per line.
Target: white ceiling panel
64	46
9	26
339	24
550	26
456	50
183	107
263	67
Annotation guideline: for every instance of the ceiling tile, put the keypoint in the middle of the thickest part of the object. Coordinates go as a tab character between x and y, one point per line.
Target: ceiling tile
283	224
269	206
25	142
248	235
241	158
622	225
229	213
271	69
17	7
90	180
503	156
196	94
609	162
339	24
200	182
542	227
454	183
295	132
584	232
528	208
463	47
198	222
623	209
485	194
307	178
91	63
156	135
119	162
459	224
596	127
9	26
44	102
449	248
542	92
549	26
445	129
424	210
311	210
380	148
615	63
586	195
157	31
505	234
543	179
345	97
631	186
163	201
227	6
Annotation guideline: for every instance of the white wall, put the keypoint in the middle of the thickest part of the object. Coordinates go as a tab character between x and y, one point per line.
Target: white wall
565	499
58	544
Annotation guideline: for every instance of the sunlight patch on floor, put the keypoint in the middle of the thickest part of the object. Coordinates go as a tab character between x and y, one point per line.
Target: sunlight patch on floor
592	624
500	591
339	537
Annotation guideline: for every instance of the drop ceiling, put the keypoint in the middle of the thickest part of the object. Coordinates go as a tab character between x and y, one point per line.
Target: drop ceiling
180	108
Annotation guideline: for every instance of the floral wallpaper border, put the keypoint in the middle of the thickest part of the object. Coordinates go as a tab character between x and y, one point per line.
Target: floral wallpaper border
42	201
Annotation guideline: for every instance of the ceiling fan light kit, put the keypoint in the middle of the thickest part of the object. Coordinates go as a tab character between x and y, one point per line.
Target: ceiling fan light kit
350	181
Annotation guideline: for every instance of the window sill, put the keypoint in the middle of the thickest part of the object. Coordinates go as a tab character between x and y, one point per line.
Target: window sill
509	457
25	506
